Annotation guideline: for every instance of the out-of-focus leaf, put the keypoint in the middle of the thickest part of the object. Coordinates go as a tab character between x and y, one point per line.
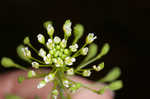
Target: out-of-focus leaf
116	85
92	52
21	54
112	75
11	96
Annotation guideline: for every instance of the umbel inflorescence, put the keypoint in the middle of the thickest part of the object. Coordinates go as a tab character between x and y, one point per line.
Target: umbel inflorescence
59	56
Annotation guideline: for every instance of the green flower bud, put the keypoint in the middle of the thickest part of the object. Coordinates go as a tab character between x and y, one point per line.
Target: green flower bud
67	28
66	52
41	38
86	73
70	71
7	62
26	40
116	85
49	28
21	53
63	43
35	65
84	51
57	40
31	73
90	38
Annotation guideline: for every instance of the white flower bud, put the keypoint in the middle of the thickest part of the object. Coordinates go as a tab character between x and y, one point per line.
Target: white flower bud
42	52
35	65
74	47
59	62
86	73
84	51
69	60
50	44
41	38
66	83
41	84
26	51
90	38
67	28
49	77
70	71
63	43
50	29
57	39
47	59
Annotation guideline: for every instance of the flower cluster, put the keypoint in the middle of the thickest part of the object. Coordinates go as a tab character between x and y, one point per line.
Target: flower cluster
59	56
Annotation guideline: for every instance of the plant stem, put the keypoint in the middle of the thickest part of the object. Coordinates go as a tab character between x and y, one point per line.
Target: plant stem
60	84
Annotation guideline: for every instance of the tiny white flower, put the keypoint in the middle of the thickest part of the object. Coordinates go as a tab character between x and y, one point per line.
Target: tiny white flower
66	83
41	84
90	38
35	65
63	43
70	71
73	59
49	77
42	52
50	29
59	62
69	60
67	28
84	51
86	73
41	38
57	39
26	51
47	59
50	44
74	47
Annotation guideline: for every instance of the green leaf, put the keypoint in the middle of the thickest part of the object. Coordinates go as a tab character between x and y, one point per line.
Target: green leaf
21	79
7	62
116	85
112	75
78	32
21	54
11	96
92	52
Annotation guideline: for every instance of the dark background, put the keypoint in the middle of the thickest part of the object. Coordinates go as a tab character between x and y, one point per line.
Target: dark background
107	18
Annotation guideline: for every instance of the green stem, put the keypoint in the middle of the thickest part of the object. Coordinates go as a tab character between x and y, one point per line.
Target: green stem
21	67
60	84
85	64
37	60
30	45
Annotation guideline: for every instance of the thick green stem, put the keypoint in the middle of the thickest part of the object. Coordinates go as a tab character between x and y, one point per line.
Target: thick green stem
60	84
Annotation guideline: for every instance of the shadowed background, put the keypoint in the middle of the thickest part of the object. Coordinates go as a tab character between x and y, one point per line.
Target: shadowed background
107	18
